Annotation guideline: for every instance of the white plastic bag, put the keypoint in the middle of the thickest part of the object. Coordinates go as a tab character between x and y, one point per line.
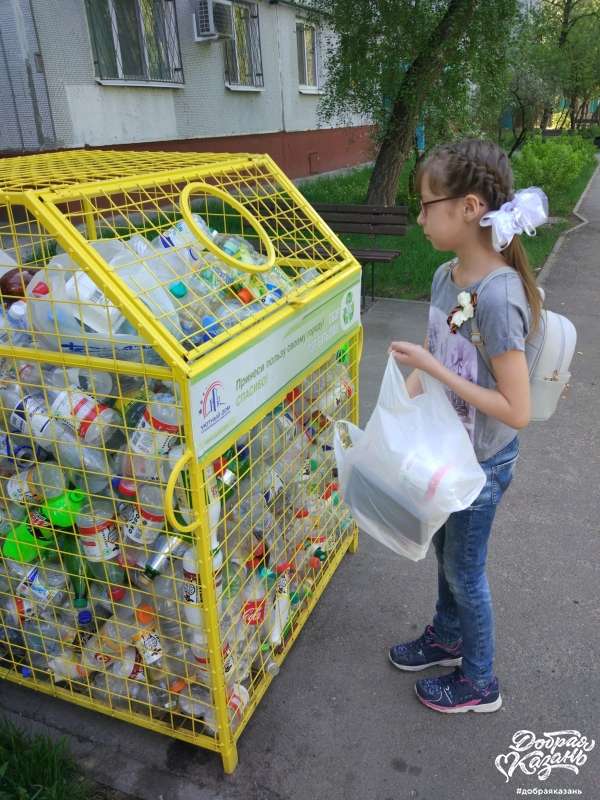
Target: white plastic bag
410	468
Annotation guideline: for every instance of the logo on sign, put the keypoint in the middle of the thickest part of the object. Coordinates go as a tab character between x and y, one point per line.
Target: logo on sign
214	408
347	310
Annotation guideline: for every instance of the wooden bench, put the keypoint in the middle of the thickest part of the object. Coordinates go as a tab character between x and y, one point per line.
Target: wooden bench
371	220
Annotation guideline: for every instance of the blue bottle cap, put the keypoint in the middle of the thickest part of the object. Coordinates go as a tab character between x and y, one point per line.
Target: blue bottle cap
84	617
274	290
26	672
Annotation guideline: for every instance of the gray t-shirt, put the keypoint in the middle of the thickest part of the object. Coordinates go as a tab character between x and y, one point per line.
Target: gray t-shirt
504	317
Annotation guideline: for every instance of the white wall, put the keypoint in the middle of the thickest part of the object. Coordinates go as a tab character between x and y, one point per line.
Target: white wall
86	112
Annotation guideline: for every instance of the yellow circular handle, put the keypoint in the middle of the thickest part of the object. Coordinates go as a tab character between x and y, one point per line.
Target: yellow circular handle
186	456
186	213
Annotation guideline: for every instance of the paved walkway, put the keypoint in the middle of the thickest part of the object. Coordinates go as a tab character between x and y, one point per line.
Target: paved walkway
339	721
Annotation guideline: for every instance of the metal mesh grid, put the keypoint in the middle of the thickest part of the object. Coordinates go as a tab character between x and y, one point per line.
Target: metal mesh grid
101	596
138	230
74	167
136	579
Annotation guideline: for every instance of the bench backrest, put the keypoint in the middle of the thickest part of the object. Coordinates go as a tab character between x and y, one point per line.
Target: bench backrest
374	220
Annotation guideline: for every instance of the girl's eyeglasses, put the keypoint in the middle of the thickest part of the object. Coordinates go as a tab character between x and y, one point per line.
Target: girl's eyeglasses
439	200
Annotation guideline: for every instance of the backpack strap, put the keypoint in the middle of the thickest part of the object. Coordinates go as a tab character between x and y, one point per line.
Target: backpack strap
475	332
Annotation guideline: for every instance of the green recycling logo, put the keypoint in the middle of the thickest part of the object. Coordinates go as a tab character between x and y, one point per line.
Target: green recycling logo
347	310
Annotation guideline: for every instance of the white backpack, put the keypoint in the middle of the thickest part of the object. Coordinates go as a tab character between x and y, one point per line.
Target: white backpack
549	354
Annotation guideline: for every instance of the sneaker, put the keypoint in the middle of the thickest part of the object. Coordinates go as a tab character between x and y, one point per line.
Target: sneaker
425	652
455	693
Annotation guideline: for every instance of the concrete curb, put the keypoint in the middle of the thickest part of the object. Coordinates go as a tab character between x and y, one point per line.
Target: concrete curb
549	263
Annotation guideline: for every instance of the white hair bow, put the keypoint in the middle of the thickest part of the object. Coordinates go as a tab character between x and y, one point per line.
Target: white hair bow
523	214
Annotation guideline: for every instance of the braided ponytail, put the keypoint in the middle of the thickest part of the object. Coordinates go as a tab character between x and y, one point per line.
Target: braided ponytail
483	168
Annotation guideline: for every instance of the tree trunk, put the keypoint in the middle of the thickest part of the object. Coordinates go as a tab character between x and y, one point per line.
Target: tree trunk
546	118
414	89
573	113
383	185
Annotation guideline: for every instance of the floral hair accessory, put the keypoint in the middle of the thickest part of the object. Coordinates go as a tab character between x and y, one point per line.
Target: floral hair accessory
467	302
523	214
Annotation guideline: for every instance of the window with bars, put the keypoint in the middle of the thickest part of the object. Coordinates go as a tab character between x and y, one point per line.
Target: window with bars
135	40
243	59
307	41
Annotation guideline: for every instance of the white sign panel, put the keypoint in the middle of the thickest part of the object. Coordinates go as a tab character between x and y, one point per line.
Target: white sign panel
227	396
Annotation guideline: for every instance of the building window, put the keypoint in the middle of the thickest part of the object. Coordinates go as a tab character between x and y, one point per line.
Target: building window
243	60
135	40
308	55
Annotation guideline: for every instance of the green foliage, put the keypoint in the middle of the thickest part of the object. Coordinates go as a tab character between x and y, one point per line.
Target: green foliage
591	132
375	46
351	188
36	768
552	163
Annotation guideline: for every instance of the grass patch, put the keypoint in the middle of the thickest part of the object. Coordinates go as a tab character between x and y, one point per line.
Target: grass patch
566	201
37	767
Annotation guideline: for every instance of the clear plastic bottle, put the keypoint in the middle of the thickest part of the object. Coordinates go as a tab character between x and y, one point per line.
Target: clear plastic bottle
253	611
143	523
36	484
44	640
272	436
99	541
29	415
67	666
280	606
155	434
91	421
43	585
20	322
191	587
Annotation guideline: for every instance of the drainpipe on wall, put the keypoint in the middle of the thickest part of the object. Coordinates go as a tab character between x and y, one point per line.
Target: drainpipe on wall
280	67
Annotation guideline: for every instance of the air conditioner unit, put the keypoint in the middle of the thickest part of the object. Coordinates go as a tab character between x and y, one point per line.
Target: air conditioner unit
213	19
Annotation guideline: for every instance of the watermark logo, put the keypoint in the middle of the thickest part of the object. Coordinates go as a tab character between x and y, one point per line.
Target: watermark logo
552	750
214	407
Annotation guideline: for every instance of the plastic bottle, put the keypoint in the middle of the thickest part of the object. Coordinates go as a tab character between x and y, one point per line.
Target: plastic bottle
28	415
199	661
17	451
67	666
183	241
91	421
143	523
272	436
19	321
75	568
71	314
42	585
280	607
99	541
191	586
154	435
254	609
43	640
36	484
147	283
166	546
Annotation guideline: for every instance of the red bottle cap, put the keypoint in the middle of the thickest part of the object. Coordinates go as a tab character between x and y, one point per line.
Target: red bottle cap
245	295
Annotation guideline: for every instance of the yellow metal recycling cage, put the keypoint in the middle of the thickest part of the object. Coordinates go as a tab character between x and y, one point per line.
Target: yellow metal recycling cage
179	332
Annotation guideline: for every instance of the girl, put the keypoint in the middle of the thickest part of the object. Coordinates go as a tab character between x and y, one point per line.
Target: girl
468	207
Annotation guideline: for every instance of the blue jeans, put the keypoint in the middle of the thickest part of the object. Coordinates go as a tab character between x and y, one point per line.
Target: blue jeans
464	606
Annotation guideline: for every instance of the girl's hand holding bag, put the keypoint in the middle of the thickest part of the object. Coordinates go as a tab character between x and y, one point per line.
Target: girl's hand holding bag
410	468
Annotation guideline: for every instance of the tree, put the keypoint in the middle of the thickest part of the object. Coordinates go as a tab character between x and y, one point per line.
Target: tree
397	61
564	26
